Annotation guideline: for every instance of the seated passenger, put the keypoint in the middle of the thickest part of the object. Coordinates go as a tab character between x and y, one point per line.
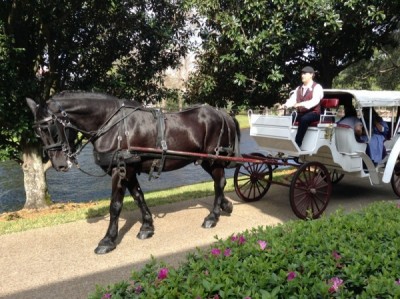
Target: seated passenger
380	132
350	119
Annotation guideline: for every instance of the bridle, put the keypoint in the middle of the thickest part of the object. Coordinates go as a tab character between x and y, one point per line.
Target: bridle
57	137
47	129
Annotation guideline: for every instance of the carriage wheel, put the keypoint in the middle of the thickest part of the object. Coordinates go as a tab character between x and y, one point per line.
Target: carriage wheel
336	177
310	190
252	180
395	181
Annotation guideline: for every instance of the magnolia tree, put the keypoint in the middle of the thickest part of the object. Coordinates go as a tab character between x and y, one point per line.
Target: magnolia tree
252	51
381	71
120	47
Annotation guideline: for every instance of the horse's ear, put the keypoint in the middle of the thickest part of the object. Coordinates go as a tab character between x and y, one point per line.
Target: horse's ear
32	104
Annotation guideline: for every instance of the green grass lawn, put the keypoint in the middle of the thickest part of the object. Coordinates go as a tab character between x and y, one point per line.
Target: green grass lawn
69	212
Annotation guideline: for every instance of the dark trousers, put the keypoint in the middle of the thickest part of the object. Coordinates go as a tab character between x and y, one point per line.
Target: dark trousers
304	121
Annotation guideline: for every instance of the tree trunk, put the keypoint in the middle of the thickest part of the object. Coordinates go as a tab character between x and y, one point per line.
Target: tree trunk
34	178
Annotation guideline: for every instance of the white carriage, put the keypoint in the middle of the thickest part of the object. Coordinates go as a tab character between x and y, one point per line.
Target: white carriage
329	151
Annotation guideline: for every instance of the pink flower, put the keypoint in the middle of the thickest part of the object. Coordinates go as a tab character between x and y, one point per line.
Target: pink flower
397	281
336	283
291	275
215	251
240	239
336	255
227	252
106	296
163	273
262	244
138	289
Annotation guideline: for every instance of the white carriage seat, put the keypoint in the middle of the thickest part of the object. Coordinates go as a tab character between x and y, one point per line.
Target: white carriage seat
346	142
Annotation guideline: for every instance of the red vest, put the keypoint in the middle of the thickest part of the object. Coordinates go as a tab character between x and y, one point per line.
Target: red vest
307	96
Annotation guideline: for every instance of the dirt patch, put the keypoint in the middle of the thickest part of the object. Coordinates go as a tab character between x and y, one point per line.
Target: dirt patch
53	209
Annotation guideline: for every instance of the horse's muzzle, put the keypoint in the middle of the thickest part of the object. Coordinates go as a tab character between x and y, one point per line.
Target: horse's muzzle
64	166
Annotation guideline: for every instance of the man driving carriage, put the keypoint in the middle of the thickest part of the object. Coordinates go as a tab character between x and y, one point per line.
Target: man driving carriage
306	99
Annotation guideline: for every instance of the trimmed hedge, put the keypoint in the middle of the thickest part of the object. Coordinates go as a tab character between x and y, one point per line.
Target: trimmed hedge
354	255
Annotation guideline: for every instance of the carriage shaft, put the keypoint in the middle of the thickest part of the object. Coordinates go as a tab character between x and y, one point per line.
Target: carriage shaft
171	154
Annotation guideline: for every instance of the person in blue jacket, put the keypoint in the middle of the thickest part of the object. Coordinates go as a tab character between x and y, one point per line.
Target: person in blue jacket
380	132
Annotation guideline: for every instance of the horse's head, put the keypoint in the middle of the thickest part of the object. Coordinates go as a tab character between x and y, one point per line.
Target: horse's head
57	137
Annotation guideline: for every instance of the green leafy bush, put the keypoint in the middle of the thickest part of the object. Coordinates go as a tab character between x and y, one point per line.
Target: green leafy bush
353	255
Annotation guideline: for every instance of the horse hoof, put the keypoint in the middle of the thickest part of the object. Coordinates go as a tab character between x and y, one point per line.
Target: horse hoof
142	235
103	249
227	207
209	223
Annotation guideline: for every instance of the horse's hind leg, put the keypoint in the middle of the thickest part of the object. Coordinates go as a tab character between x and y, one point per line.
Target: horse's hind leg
147	228
220	201
117	196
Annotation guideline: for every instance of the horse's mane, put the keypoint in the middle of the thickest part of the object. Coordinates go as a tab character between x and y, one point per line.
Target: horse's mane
77	95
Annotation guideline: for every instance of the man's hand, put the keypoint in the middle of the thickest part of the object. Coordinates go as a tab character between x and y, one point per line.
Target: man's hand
297	105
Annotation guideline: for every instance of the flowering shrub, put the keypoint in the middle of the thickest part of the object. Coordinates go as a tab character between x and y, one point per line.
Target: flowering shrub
341	256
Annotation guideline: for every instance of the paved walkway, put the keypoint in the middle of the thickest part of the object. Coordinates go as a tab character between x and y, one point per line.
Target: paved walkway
58	262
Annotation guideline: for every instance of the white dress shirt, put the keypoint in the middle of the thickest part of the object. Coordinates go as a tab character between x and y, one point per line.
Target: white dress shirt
318	94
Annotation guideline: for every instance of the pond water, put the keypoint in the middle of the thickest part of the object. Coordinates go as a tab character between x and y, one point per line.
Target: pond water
75	186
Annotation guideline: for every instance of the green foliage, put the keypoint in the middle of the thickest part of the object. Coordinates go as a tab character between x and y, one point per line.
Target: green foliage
381	72
342	256
254	50
119	47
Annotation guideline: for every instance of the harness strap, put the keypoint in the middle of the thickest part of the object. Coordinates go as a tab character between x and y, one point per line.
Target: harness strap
160	143
122	131
117	158
231	148
218	148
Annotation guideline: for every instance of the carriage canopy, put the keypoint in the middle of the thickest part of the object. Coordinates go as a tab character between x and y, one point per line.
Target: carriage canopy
367	98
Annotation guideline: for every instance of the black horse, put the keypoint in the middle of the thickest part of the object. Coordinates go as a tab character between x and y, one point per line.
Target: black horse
116	127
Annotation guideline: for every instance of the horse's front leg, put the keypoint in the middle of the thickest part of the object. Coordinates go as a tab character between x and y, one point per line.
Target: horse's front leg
220	202
108	244
147	228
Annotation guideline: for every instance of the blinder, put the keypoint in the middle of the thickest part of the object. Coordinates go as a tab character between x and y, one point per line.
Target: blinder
51	133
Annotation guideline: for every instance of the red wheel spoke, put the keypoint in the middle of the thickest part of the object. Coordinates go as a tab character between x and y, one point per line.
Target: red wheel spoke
247	183
255	179
310	190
